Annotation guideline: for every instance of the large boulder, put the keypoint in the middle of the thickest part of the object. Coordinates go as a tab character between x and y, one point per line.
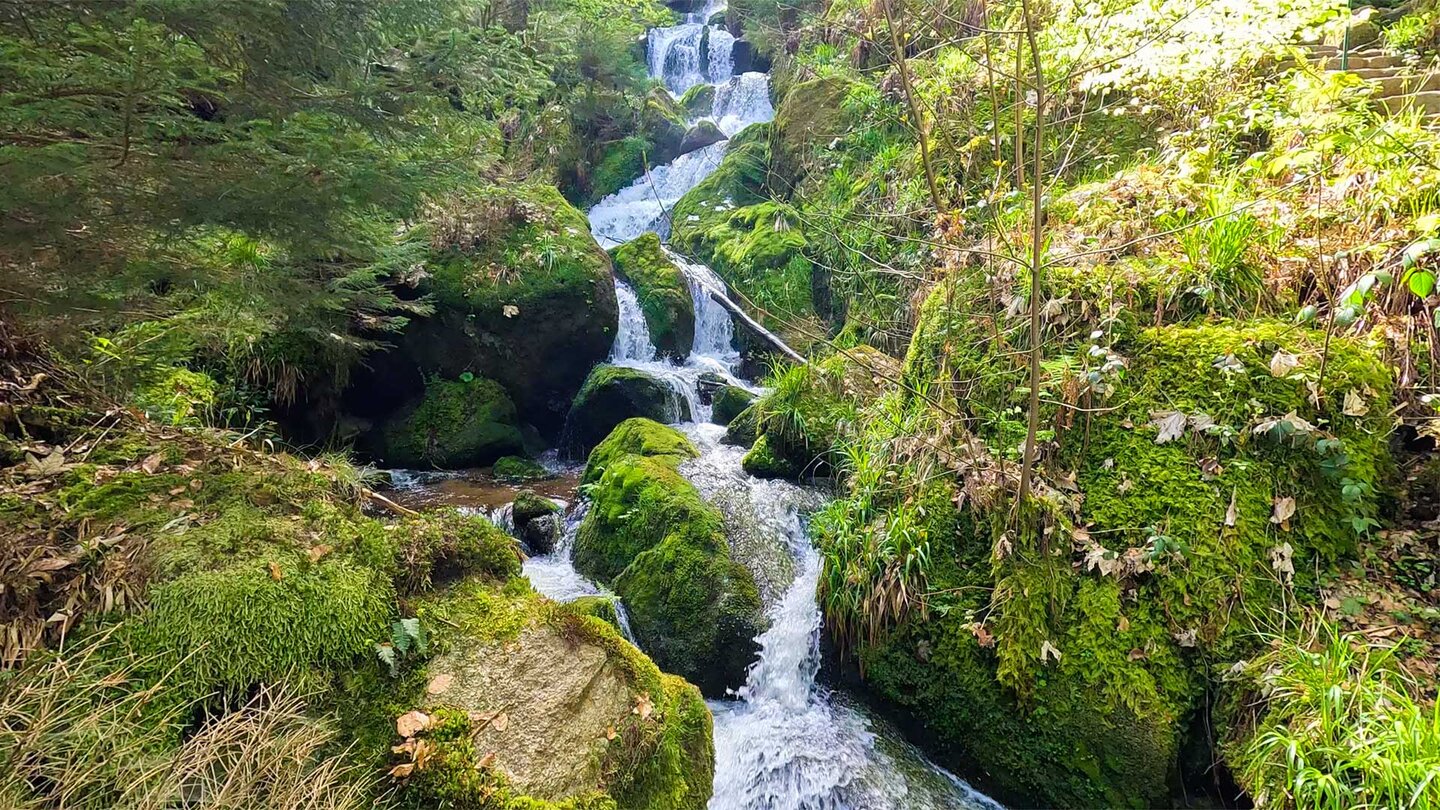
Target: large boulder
699	100
663	291
663	549
521	294
808	119
532	703
611	395
700	136
455	423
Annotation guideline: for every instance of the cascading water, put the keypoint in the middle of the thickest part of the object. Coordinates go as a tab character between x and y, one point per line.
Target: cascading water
784	743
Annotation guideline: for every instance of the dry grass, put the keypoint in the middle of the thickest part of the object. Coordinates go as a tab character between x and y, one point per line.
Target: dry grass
77	730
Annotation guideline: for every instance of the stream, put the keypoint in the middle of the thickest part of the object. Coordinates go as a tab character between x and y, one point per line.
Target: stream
785	741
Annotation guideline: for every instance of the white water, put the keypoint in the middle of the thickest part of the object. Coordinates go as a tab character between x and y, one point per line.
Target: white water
784	742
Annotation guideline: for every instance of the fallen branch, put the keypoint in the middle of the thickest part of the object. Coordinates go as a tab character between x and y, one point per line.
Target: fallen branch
387	503
755	327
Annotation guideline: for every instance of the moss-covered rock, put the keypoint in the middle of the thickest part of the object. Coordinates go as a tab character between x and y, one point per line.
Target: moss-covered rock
700	136
446	545
1066	652
456	423
664	551
801	417
744	428
536	705
699	100
810	116
663	122
613	394
518	469
728	402
638	437
663	291
522	295
537	521
729	222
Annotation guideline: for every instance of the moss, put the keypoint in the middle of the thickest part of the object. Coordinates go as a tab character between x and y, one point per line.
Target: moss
600	607
611	395
664	550
701	135
728	402
640	437
663	122
457	423
810	116
762	462
447	545
622	162
663	292
229	629
517	469
1191	518
528	506
744	428
522	294
698	100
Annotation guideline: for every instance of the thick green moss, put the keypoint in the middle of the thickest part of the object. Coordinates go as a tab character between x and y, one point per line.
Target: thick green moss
455	424
663	549
1162	563
762	462
528	506
611	395
228	629
639	437
810	116
663	292
623	162
517	469
728	403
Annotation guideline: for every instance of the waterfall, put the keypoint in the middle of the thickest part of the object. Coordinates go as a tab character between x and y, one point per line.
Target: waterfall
742	101
692	52
643	205
632	336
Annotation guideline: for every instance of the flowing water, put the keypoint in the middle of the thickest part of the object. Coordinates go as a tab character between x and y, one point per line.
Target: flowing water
784	742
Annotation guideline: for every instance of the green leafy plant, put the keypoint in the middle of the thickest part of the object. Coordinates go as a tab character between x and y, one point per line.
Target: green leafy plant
407	640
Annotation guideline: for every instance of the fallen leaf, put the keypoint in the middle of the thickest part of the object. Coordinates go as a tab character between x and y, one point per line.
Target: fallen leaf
1284	510
177	491
1281	559
1201	422
1354	404
1186	638
1210	468
439	684
643	706
1123	625
1232	513
1049	651
984	637
411	723
610	733
196	484
49	465
316	552
487	760
402	770
1170	423
275	572
152	463
510	310
1137	654
500	722
1283	363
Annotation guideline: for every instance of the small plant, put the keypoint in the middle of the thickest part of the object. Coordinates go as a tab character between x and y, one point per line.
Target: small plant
406	637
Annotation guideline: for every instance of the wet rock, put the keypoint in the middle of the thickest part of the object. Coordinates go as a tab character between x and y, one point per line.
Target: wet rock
535	321
699	100
611	395
537	522
700	136
455	423
747	58
728	403
664	550
517	469
743	429
663	292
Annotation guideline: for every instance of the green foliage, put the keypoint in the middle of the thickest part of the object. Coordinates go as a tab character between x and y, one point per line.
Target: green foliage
517	469
1330	723
446	545
406	637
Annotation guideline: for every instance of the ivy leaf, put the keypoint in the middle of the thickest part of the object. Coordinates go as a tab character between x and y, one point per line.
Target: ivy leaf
1420	282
